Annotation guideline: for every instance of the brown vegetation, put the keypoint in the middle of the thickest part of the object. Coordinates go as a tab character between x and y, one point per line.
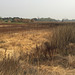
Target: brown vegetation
38	49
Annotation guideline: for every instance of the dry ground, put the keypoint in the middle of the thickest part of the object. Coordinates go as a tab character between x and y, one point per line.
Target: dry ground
25	41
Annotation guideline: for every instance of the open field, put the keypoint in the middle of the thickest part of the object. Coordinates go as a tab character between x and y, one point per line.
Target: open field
14	27
28	49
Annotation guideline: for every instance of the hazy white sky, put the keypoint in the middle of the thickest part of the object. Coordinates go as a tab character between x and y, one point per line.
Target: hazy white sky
57	9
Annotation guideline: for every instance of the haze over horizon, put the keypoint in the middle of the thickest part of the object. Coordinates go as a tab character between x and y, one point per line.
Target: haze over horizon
57	9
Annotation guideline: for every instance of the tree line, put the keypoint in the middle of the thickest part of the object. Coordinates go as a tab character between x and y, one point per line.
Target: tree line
24	20
16	19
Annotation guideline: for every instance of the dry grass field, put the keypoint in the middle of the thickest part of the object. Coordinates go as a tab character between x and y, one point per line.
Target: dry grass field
37	48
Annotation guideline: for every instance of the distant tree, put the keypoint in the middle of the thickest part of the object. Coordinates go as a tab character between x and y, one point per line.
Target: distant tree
62	20
46	19
0	18
35	19
32	20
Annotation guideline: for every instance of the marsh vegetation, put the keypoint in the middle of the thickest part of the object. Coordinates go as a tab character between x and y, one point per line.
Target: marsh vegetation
39	48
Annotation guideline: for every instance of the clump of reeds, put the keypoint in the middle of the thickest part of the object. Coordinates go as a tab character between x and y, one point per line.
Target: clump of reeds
62	36
9	66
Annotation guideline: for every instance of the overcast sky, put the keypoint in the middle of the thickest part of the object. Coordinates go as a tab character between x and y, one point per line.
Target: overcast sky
57	9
